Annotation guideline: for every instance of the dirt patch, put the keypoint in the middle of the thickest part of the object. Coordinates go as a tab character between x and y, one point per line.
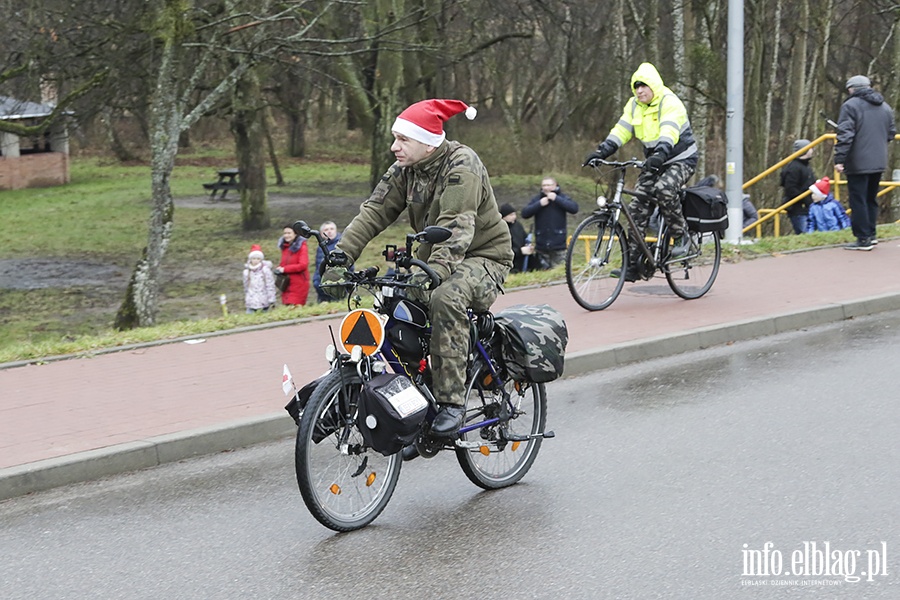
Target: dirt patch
42	273
286	207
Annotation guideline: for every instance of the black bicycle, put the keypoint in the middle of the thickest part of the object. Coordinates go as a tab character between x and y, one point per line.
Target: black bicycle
597	255
347	455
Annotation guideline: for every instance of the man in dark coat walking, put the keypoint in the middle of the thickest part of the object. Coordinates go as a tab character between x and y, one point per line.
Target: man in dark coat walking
865	126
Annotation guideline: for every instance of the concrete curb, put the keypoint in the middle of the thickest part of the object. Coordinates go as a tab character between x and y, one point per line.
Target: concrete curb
132	456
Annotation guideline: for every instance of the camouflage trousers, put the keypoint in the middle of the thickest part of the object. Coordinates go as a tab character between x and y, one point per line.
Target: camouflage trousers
665	189
474	284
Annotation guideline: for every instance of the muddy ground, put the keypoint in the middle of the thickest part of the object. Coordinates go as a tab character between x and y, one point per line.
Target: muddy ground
40	273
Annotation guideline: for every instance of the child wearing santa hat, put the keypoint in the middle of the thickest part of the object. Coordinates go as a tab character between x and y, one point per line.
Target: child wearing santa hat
259	281
825	213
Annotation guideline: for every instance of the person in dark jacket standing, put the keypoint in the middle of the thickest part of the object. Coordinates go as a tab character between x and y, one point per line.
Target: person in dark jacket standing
796	179
520	246
549	209
329	230
865	126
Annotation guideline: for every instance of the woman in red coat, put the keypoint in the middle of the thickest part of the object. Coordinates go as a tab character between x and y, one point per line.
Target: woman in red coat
295	264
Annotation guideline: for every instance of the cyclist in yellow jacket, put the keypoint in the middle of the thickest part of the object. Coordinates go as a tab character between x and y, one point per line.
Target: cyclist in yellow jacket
658	118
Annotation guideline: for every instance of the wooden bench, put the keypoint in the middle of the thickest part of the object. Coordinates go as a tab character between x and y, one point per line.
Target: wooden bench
228	180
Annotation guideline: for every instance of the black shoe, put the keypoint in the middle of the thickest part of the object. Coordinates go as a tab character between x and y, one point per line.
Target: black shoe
630	274
409	452
448	420
860	244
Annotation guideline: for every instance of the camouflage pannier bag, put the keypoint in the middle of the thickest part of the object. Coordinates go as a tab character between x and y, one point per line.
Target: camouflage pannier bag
532	342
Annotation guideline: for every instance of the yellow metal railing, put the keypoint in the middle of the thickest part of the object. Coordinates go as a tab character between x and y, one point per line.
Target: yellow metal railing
772	214
587	239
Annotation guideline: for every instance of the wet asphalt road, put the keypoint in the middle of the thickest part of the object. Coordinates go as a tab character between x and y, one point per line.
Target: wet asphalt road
659	476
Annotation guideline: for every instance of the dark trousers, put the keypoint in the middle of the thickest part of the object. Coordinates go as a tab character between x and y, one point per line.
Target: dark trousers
863	201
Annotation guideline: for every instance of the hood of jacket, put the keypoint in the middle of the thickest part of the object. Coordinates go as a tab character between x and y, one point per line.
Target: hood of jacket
870	96
648	74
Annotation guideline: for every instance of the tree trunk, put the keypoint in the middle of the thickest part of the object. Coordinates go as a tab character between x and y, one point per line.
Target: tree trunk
270	144
249	138
773	78
141	298
386	92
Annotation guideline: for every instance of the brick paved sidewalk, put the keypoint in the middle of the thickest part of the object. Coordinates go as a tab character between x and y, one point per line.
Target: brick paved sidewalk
60	409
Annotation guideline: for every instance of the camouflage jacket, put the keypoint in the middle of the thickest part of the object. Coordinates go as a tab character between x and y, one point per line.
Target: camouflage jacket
450	188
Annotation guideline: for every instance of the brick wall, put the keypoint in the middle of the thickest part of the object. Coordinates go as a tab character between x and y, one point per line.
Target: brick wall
45	169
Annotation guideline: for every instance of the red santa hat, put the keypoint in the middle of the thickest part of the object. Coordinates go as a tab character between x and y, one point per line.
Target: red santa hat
424	121
256	252
820	189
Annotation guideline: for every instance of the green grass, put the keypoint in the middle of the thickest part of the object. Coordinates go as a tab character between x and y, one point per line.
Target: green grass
101	217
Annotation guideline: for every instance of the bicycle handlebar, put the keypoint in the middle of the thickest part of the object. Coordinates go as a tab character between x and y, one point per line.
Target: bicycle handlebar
596	162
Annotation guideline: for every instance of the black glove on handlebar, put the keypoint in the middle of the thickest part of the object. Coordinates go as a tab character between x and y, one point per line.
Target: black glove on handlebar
654	163
605	149
337	258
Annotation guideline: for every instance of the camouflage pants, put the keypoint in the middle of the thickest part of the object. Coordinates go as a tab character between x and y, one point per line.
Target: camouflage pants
664	188
475	284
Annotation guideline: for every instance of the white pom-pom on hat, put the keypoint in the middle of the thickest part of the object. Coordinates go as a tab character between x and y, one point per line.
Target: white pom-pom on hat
471	113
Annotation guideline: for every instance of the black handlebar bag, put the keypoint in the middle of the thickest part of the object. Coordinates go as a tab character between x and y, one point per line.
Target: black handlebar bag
705	208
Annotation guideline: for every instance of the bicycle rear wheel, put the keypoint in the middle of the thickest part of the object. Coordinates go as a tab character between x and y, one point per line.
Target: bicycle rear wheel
692	276
590	262
344	484
487	456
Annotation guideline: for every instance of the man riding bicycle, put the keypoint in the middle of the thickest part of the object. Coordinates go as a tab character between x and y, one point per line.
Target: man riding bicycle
658	118
436	181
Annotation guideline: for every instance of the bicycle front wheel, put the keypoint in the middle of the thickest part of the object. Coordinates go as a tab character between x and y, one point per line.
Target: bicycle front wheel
598	248
692	276
488	456
344	484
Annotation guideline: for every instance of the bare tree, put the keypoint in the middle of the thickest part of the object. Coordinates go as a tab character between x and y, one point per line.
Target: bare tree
190	44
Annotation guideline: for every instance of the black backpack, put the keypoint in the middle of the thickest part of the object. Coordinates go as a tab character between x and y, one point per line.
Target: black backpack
705	208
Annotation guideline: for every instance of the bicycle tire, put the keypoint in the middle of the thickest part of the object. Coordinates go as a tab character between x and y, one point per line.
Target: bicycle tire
589	274
492	463
694	275
344	491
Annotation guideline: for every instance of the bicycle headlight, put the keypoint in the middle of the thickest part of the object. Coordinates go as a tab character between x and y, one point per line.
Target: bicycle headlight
601	201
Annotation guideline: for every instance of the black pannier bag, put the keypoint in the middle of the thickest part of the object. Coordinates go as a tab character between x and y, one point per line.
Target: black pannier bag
532	342
705	209
391	410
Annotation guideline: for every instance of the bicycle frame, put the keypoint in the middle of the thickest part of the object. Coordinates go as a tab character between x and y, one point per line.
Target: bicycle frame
397	366
620	208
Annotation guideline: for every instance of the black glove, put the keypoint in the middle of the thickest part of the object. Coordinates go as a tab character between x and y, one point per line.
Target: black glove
337	258
605	149
329	283
654	163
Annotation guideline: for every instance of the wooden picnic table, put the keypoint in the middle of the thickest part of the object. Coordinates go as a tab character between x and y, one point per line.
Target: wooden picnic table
228	180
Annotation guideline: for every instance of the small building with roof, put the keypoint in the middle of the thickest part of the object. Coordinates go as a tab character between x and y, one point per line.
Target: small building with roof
38	161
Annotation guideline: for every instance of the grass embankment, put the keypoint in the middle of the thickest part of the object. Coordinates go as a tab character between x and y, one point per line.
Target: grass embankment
100	221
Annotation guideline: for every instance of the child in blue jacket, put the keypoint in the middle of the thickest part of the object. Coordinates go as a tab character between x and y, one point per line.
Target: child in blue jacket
825	213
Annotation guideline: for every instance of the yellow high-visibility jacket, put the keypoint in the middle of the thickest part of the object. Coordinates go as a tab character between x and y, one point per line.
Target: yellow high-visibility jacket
662	125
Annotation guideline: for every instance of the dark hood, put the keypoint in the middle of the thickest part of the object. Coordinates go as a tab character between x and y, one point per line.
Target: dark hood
870	96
